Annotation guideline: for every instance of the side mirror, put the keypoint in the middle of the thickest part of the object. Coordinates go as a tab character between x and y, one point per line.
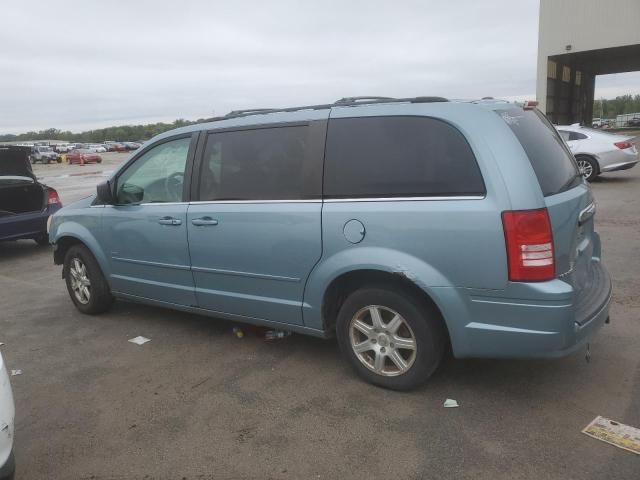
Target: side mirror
105	193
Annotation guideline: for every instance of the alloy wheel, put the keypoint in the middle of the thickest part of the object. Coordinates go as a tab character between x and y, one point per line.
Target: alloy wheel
80	283
382	340
586	169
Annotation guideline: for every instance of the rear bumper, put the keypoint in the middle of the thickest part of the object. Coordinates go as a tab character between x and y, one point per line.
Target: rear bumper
27	225
619	166
537	320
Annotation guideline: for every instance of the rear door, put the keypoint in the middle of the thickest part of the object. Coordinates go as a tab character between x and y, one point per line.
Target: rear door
567	197
254	222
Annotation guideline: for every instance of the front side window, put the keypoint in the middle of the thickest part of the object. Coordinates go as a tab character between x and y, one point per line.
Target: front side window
398	157
157	176
278	163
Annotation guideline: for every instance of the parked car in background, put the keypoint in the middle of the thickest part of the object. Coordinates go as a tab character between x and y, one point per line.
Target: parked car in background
62	147
599	152
119	147
108	147
44	154
96	148
600	123
7	425
25	204
634	122
131	145
477	237
83	156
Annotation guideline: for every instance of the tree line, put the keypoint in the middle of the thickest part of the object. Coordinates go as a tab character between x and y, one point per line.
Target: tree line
610	108
123	133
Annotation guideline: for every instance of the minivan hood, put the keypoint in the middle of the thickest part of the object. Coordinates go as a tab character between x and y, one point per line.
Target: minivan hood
14	162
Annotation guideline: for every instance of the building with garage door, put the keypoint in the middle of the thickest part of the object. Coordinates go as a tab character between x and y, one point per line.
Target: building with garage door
578	40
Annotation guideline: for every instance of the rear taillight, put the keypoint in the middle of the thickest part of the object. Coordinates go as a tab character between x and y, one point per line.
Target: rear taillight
529	104
53	197
529	243
623	145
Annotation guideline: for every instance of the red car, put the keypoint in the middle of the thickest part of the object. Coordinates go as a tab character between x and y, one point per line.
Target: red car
119	147
83	156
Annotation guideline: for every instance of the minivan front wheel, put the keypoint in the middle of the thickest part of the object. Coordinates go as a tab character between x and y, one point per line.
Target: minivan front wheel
86	284
390	338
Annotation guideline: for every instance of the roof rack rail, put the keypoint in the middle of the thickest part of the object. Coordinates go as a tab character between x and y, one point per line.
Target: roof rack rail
249	111
374	100
352	100
343	102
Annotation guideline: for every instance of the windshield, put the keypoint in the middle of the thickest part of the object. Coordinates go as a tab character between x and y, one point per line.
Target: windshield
552	162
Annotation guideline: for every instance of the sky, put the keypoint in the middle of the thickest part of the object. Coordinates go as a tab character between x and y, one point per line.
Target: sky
77	65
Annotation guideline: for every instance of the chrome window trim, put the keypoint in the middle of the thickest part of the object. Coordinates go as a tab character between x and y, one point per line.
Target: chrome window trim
327	200
208	202
404	199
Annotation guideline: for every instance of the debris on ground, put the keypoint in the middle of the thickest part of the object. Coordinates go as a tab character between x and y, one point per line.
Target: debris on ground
272	335
263	332
450	403
614	433
139	340
16	372
238	332
1	344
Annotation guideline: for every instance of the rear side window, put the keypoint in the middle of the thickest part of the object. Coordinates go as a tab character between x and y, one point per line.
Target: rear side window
278	163
398	157
552	162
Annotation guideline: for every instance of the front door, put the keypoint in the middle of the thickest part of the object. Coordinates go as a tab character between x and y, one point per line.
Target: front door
146	231
254	229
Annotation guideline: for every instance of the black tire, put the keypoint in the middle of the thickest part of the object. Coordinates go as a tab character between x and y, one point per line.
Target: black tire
42	240
595	168
425	324
100	298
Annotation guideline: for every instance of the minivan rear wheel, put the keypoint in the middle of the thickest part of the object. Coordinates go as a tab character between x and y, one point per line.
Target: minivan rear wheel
389	337
86	284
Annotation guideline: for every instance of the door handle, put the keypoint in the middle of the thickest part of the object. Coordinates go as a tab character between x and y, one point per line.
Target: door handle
204	221
169	221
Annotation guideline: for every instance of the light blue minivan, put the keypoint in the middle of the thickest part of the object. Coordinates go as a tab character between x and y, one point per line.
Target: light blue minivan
404	227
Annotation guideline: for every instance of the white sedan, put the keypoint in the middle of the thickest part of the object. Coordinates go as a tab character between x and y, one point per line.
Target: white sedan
598	152
7	418
95	148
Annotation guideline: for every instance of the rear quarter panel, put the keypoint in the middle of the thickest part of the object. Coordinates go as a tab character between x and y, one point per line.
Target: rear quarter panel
437	244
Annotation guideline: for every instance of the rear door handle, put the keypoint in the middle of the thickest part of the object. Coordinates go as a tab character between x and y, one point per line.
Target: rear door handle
169	221
204	221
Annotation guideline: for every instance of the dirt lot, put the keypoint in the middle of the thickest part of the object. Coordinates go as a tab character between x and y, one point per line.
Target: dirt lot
198	403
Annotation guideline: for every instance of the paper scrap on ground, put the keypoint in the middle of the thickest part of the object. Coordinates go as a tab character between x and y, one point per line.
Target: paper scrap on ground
16	372
1	344
139	340
450	403
614	433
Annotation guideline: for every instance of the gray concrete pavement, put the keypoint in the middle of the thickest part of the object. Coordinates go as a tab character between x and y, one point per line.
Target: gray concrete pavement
198	403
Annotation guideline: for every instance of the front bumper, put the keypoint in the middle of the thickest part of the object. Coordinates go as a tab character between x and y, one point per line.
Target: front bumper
8	470
7	419
531	320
